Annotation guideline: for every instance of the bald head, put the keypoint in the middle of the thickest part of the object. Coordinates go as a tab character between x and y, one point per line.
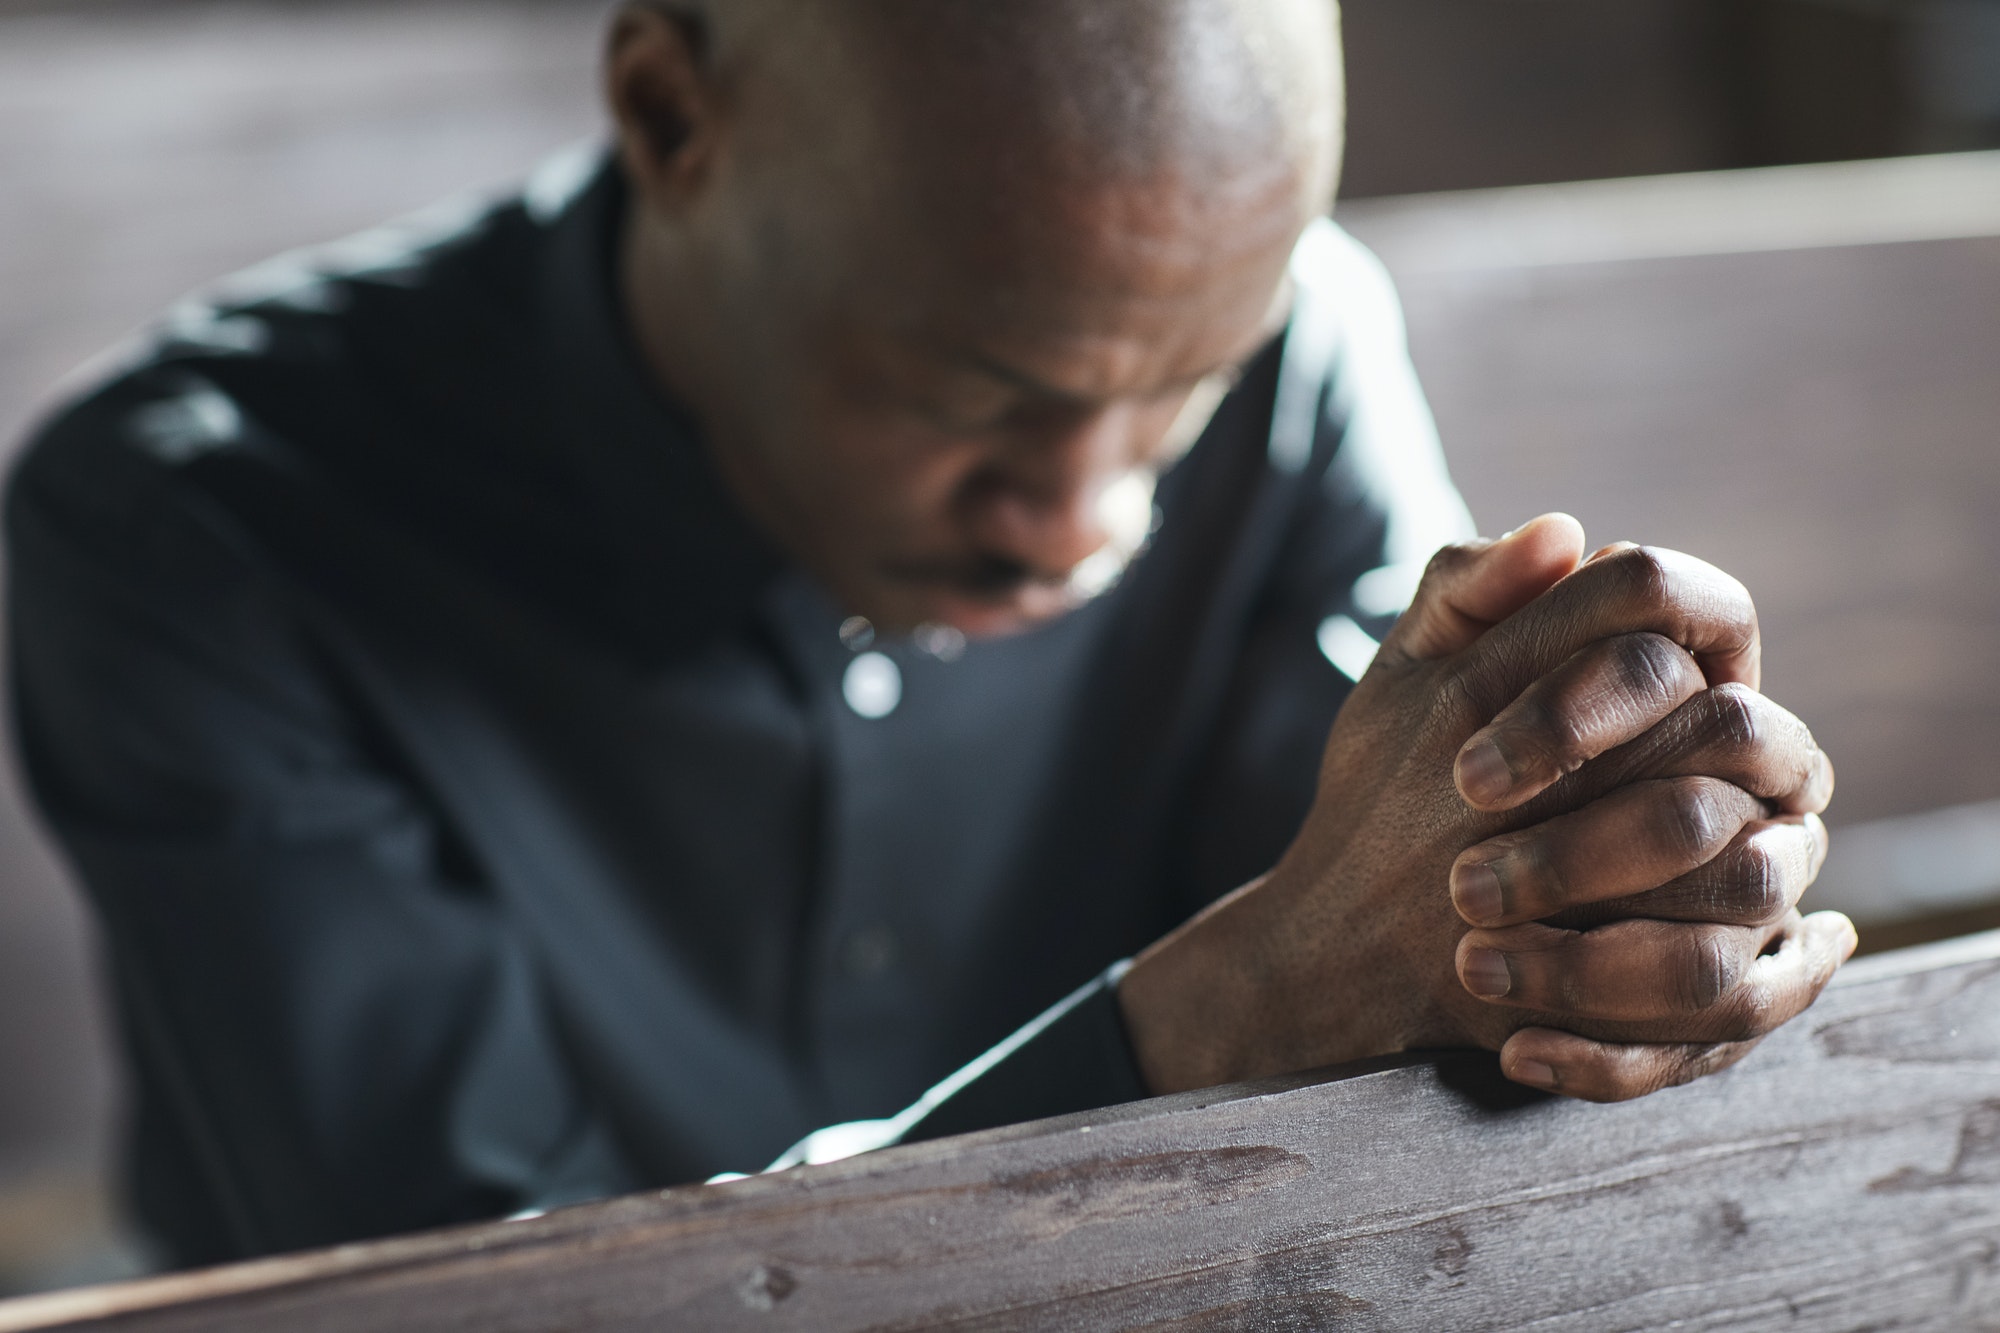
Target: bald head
1124	87
1091	88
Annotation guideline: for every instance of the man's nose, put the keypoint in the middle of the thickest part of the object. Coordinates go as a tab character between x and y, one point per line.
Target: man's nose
1035	499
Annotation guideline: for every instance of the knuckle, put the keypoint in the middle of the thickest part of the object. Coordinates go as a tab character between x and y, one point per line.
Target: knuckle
1733	716
1557	734
1754	884
1709	969
1651	668
1691	820
1645	573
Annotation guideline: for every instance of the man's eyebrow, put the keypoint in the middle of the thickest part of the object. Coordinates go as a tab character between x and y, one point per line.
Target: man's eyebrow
1273	324
1028	383
974	359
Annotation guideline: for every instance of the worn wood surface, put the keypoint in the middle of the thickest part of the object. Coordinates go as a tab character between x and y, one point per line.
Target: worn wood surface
1846	1177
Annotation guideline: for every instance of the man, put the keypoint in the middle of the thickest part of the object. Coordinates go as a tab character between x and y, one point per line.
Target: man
574	696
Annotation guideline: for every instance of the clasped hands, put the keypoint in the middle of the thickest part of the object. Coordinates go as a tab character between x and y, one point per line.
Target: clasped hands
1555	819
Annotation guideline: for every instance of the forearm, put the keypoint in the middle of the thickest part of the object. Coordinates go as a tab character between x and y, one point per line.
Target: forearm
1254	987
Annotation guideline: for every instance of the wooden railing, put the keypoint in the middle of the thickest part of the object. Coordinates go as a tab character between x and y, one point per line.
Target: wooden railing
1845	1176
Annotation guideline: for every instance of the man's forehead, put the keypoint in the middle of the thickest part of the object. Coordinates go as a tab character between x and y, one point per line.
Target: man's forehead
1096	341
1030	227
1102	87
1093	369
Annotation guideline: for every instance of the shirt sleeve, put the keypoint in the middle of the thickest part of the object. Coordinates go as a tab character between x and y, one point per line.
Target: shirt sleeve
336	1032
1074	1056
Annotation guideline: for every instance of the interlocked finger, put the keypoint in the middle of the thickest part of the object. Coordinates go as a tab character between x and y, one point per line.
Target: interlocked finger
1634	590
1608	693
1734	733
1602	1071
1759	877
1624	972
1632	841
1777	987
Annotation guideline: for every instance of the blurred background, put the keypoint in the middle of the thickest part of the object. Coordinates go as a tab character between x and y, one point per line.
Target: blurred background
1764	328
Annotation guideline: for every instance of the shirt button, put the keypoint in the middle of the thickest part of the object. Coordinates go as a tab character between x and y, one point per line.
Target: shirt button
856	633
873	685
869	952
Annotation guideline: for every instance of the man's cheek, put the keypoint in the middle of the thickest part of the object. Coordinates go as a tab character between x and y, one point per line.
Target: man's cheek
905	487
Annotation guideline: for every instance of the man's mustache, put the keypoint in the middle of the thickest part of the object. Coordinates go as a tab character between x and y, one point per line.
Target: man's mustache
984	575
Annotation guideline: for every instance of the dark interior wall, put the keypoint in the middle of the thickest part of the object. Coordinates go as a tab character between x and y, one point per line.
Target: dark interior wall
1458	94
1812	81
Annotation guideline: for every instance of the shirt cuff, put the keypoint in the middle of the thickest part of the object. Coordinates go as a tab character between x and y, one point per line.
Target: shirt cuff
1076	1056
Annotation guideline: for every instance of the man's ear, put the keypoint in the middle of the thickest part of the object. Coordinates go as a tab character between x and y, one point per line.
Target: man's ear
658	82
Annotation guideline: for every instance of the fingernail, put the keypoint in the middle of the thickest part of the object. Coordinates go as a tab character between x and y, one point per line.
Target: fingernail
1534	1072
1486	974
1483	774
1475	891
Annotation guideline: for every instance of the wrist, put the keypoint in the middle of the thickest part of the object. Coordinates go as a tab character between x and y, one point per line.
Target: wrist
1265	982
1188	1003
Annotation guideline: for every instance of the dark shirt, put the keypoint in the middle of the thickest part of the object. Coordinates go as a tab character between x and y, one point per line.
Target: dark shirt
470	796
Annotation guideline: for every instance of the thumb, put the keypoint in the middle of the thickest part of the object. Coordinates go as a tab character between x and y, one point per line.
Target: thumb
1470	588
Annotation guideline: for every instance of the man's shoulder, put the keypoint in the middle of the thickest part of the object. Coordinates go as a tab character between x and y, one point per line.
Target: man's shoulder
396	339
1347	325
1330	264
1349	417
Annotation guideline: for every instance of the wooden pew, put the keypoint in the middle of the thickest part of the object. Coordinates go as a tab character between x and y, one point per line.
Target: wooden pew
1846	1176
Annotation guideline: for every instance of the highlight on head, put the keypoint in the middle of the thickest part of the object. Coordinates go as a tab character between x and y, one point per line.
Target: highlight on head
1117	89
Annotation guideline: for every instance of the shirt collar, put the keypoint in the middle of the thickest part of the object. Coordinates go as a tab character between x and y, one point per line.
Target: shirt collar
696	566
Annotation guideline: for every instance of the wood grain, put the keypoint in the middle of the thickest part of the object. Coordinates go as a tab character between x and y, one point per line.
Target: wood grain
1846	1177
